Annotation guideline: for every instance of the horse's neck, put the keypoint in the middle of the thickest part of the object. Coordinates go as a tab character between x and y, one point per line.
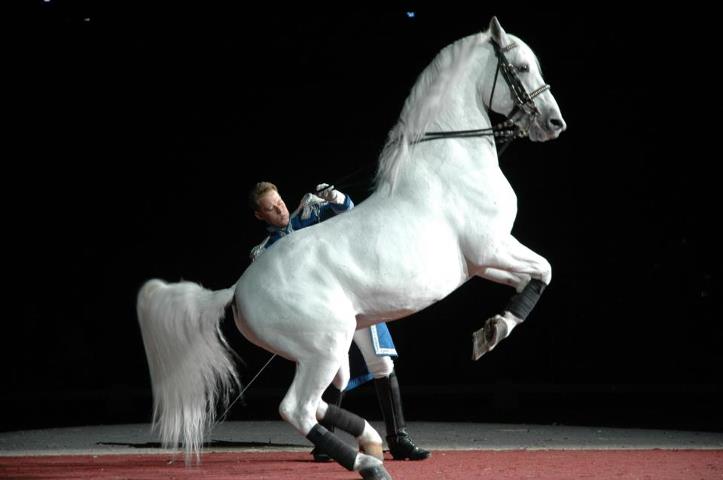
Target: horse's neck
454	102
461	109
441	166
451	101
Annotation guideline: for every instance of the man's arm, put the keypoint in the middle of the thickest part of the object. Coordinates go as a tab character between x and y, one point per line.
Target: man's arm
337	201
343	207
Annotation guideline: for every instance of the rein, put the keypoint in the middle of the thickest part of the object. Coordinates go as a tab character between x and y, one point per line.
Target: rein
503	133
223	415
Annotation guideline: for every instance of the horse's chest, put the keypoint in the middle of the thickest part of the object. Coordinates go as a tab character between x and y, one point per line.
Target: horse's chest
492	205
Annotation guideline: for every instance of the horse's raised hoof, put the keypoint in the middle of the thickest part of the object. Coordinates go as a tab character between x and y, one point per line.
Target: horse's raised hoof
486	338
373	449
375	473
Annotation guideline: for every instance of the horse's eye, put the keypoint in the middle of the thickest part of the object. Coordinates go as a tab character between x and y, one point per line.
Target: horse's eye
524	68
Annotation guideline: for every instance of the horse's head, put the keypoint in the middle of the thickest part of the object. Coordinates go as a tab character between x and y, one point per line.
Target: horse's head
517	90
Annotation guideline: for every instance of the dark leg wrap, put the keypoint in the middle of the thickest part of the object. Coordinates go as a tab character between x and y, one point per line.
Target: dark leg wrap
344	419
329	443
521	304
332	396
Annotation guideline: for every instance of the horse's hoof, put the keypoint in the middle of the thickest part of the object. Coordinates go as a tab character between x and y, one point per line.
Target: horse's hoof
373	449
486	338
375	473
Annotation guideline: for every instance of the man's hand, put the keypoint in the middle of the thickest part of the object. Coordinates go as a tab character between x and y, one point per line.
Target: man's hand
328	193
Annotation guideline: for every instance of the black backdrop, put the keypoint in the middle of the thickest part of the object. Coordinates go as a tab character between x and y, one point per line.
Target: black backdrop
136	132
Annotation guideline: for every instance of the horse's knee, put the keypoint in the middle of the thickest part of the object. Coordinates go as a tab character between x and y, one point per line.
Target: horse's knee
546	275
542	272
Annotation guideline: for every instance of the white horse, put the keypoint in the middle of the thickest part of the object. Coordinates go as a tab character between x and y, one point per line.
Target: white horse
441	213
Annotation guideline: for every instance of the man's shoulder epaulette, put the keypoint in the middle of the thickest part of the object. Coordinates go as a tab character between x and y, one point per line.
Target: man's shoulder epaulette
258	249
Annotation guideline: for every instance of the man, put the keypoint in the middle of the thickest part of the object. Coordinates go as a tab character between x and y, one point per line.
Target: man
374	343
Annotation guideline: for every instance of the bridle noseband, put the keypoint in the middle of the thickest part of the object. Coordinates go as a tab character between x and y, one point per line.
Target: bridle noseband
508	130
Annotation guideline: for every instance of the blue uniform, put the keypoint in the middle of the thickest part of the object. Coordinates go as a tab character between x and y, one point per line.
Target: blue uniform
309	214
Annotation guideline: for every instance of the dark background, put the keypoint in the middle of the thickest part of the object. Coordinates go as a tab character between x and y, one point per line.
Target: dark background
136	132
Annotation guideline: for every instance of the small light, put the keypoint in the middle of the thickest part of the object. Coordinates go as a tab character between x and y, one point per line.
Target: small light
411	14
86	19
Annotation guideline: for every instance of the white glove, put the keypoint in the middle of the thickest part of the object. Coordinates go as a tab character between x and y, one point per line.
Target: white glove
328	193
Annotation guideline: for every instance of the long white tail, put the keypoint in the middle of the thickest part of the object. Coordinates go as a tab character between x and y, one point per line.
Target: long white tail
188	358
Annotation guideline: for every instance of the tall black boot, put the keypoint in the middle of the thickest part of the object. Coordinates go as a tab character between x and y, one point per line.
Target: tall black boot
390	400
332	396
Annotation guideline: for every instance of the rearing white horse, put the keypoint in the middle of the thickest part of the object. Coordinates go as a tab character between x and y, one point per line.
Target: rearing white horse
442	213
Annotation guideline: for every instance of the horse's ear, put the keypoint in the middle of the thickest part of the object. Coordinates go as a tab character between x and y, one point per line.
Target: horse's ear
497	32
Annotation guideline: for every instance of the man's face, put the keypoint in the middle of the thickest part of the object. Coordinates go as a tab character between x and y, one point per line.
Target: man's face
272	209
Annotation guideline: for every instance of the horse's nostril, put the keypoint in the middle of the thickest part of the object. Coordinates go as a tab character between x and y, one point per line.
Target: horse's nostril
556	123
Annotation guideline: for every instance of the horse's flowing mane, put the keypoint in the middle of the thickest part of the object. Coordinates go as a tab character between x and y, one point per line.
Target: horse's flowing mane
423	104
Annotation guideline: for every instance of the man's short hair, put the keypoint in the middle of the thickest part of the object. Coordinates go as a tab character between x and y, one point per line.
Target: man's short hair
258	191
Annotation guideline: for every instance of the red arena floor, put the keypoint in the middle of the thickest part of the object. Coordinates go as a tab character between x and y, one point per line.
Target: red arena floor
273	451
448	465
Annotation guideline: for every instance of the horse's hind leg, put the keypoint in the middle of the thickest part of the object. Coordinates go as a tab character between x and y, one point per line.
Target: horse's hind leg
332	415
370	442
529	273
303	402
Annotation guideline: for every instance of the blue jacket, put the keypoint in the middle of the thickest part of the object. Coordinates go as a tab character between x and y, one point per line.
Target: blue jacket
310	214
311	211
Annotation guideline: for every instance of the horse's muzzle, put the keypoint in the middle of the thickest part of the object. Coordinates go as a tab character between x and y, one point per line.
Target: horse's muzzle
547	127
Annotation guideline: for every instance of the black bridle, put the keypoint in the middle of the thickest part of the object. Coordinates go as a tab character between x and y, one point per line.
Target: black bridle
508	130
524	101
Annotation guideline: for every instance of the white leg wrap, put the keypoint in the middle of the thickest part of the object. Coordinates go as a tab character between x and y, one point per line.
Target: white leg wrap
366	461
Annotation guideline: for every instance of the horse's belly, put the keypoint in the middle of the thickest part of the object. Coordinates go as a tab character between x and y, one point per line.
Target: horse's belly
402	284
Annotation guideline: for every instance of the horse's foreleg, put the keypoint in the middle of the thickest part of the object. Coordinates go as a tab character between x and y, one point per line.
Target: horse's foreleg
502	325
510	262
529	273
514	280
302	405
